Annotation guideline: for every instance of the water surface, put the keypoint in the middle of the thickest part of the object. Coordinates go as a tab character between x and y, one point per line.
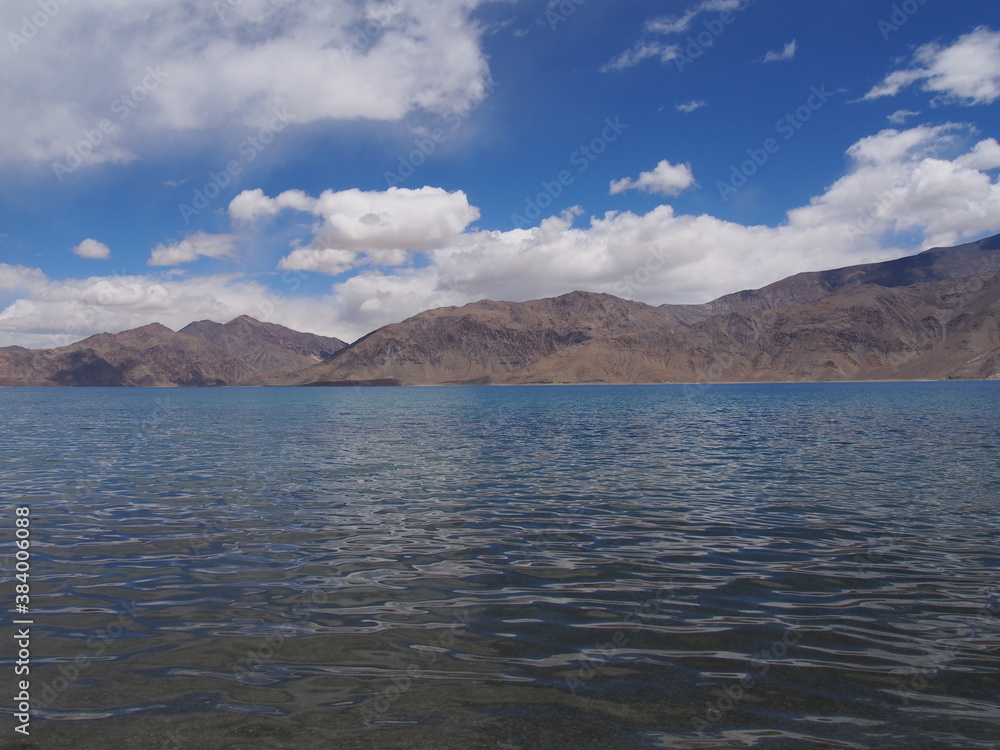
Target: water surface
767	566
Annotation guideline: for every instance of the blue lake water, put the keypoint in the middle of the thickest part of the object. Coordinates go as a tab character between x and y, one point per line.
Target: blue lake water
767	566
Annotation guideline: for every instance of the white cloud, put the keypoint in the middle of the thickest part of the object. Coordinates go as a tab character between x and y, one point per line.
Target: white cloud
666	179
899	186
643	51
904	188
985	156
889	146
163	65
21	279
380	227
689	107
56	313
786	54
900	116
191	248
372	299
901	182
92	249
667	26
967	72
682	23
251	205
328	260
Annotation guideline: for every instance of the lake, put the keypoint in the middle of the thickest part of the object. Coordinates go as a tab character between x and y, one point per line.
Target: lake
766	566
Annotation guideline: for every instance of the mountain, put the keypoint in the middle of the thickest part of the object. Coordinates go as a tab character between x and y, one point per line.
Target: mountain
483	340
241	352
936	264
268	348
940	330
935	315
152	355
930	316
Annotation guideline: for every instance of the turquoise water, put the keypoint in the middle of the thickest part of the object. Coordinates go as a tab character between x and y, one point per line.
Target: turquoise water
767	566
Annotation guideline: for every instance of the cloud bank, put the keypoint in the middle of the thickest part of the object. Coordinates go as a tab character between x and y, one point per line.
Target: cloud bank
923	186
174	67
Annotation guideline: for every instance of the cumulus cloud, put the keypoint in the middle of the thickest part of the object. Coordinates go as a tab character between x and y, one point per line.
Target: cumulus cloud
666	179
786	54
380	227
172	66
56	313
191	248
689	107
918	186
901	185
21	279
966	72
328	260
92	249
903	182
984	157
251	205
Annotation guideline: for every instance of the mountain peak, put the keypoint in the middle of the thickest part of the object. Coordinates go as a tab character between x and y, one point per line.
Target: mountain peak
269	348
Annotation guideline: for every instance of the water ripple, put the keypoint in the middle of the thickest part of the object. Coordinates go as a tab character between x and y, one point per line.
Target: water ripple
669	567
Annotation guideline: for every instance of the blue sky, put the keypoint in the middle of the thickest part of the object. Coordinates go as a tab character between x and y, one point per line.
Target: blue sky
336	165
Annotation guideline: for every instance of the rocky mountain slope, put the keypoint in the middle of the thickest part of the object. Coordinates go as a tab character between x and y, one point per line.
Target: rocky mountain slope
935	315
146	356
936	264
484	340
266	347
940	330
242	351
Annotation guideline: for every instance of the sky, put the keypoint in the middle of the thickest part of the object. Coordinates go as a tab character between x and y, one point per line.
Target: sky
338	165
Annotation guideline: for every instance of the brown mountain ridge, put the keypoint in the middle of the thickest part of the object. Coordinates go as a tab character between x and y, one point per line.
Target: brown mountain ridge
266	347
201	354
934	315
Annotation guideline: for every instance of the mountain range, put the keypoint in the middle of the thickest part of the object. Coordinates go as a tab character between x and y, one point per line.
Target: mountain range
934	315
204	353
